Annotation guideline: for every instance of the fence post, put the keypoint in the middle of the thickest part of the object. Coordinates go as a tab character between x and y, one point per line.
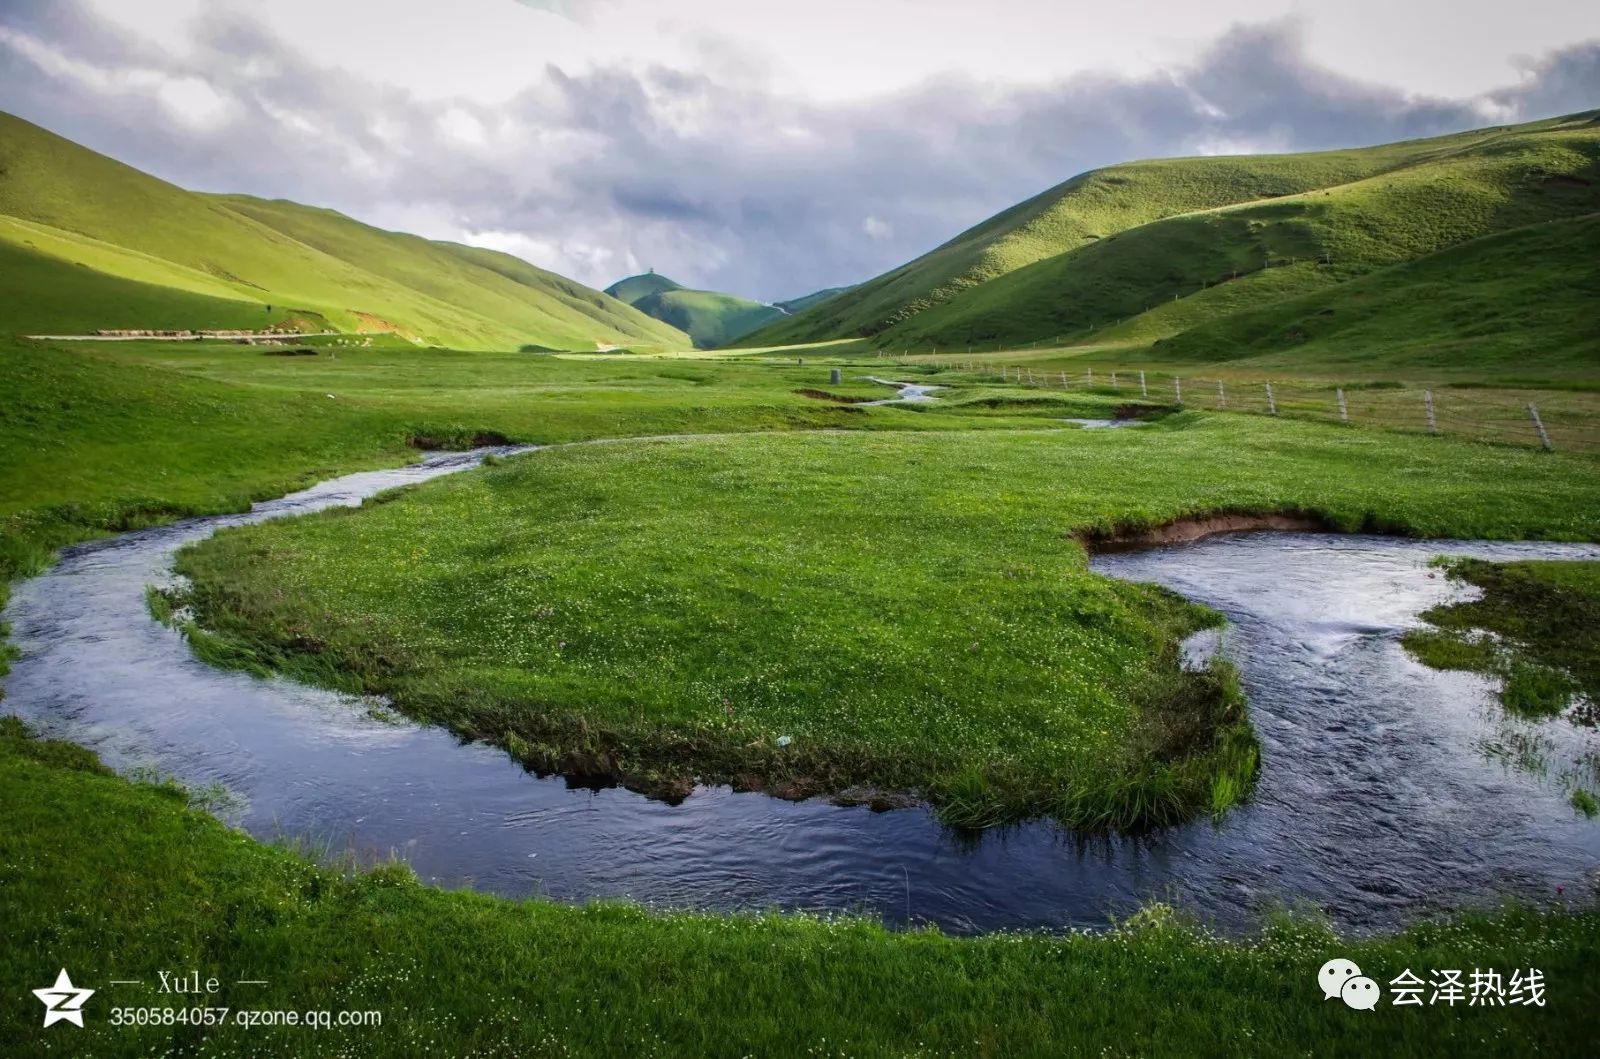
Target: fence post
1344	409
1222	395
1113	380
1091	378
1177	389
1063	380
1144	391
1538	424
1427	404
1272	406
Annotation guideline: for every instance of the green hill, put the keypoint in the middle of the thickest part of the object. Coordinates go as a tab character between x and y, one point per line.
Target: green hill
635	288
98	244
1503	302
710	318
1150	249
796	305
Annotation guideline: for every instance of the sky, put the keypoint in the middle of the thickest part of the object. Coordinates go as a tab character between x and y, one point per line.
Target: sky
743	145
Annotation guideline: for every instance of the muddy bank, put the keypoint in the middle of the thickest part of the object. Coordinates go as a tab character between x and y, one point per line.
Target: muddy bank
457	441
1198	527
824	395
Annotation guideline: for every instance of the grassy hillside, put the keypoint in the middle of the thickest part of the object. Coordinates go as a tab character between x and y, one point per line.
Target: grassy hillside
796	305
1498	303
1114	244
710	318
128	250
49	294
635	288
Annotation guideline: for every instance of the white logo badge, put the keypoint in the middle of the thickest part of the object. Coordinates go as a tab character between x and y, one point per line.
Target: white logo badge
63	1001
1343	979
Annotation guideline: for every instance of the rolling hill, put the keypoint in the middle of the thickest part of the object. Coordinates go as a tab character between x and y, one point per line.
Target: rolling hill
1504	302
710	318
795	305
1150	250
93	243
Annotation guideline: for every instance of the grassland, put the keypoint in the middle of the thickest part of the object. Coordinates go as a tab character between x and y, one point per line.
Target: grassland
117	238
1264	256
99	438
911	611
710	318
116	879
795	305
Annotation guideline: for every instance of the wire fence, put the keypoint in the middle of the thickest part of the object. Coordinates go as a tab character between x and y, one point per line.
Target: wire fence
1557	420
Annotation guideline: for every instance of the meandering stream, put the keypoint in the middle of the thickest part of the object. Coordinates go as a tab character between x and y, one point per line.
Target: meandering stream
1382	797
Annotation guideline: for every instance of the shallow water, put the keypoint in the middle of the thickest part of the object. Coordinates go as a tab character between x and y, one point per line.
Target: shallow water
908	393
1377	799
1103	424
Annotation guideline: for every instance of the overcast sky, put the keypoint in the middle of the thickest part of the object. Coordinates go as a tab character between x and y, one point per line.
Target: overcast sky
762	148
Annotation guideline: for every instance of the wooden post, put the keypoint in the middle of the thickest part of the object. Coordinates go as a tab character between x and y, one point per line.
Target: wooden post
1144	391
1344	410
1427	405
1177	389
1272	406
1222	395
1063	380
1113	380
1538	424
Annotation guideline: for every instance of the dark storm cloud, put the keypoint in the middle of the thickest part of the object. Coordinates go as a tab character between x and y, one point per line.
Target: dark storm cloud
1563	82
707	180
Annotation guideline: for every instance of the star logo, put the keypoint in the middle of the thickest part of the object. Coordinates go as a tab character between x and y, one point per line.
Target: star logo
63	1001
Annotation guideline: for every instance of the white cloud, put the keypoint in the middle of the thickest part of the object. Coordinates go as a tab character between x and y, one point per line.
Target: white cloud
194	101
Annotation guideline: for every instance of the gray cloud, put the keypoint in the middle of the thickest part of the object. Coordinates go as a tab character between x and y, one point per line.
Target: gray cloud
702	175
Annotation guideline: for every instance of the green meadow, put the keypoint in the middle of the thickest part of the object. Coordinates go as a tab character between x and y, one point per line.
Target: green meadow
836	546
832	613
722	566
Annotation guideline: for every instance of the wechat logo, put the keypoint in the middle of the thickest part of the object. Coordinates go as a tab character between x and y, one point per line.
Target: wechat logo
1343	979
